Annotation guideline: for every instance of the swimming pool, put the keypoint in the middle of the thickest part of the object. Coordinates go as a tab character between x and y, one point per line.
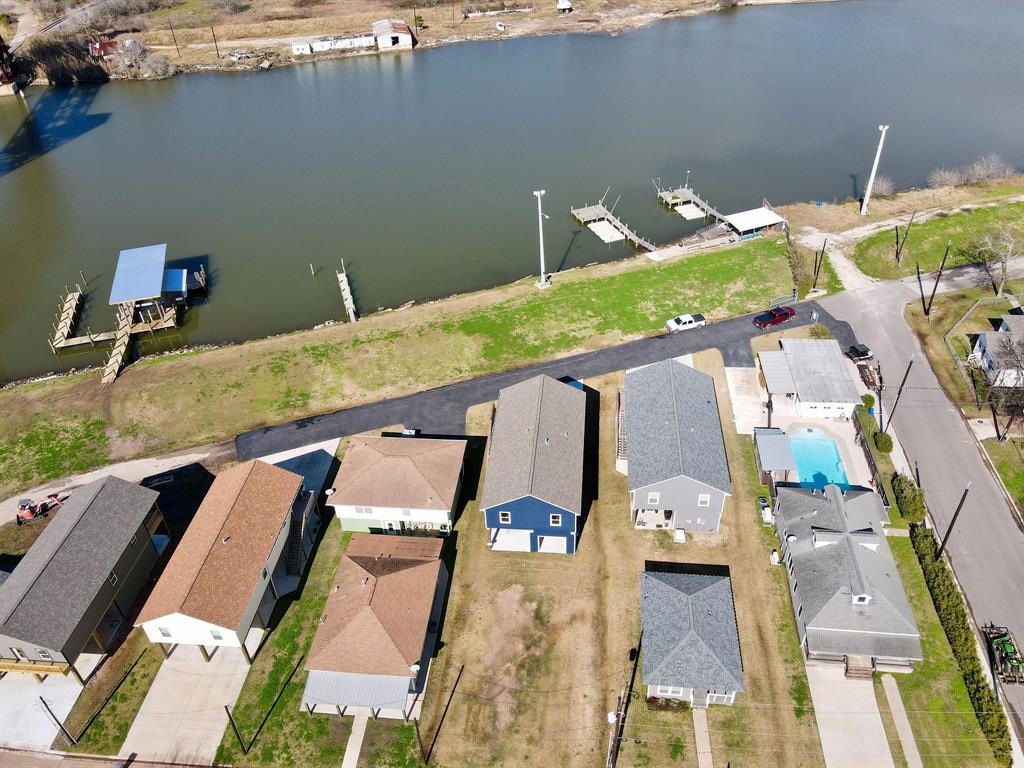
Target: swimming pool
817	460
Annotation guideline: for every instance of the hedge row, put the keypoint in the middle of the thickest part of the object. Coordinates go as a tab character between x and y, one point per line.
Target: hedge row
950	607
909	498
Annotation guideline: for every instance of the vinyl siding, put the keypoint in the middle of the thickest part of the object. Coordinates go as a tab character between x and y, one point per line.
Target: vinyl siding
532	514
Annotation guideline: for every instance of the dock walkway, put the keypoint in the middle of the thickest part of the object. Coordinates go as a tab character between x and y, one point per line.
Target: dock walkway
122	342
688	204
608	226
67	319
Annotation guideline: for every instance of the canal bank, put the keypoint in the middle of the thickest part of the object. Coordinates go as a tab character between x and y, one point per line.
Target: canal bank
418	170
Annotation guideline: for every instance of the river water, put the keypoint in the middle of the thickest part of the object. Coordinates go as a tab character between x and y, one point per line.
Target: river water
418	169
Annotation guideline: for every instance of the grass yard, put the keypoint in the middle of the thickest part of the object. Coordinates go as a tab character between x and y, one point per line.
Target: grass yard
927	242
869	426
290	736
60	426
106	734
545	640
934	694
1008	459
947	309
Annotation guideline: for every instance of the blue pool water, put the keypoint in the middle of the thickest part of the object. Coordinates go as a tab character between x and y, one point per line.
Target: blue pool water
817	460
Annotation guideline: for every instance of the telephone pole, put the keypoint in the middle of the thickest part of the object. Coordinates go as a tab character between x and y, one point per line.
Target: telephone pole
544	282
874	170
899	392
942	546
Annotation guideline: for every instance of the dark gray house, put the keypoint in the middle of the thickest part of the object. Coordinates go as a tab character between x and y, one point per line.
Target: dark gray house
847	595
533	492
691	644
672	449
75	587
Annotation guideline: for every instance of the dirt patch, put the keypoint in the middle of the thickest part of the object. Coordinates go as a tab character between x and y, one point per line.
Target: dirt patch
507	646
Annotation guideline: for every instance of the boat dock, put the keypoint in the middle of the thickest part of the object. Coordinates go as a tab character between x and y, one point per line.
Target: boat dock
67	318
688	204
606	225
346	294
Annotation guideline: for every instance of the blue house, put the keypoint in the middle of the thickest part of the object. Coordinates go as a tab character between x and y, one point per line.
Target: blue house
533	491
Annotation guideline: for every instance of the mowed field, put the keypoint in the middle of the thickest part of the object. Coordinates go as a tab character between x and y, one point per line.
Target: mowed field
543	641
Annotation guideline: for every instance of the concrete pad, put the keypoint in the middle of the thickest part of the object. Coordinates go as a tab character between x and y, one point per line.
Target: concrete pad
850	726
747	398
24	722
182	718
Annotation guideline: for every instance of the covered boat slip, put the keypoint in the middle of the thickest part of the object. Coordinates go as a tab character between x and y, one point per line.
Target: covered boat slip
141	277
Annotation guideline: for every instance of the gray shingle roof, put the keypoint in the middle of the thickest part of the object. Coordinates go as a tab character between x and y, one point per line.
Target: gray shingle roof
690	636
537	445
45	597
840	551
672	426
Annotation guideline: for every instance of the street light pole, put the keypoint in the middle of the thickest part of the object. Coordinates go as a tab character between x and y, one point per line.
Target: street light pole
874	170
544	282
687	184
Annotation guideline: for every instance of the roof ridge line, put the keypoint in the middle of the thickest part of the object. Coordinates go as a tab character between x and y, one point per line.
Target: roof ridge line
536	433
675	410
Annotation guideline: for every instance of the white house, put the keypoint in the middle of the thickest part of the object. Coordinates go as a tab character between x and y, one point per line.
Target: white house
393	35
398	484
246	546
302	49
1001	354
813	376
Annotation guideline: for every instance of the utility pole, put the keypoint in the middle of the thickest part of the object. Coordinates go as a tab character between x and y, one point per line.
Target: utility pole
215	46
942	266
874	170
942	546
899	392
175	38
687	184
544	282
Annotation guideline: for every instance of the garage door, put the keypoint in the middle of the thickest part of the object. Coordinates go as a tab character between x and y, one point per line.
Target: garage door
558	545
511	540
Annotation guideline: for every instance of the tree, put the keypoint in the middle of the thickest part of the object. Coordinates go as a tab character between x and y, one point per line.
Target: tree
995	250
945	177
884	186
883	442
1008	397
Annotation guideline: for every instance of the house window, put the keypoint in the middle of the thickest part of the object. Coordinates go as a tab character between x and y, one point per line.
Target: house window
704	500
112	578
794	587
800	610
134	539
19	654
164	631
555	521
44	654
216	635
264	574
654	498
407	512
668	690
505	518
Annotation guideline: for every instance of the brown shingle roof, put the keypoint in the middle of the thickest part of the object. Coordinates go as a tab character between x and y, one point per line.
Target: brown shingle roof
219	562
399	472
376	616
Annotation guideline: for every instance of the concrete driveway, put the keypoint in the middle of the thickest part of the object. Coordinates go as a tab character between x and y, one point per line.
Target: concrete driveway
183	717
852	735
24	722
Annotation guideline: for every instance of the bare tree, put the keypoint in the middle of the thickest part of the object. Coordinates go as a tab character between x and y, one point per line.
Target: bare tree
1006	394
995	251
945	177
988	167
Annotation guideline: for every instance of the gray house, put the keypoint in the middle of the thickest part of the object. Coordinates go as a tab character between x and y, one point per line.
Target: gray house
847	595
691	644
75	587
672	449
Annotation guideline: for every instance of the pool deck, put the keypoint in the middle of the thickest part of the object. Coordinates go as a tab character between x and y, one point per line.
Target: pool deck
844	434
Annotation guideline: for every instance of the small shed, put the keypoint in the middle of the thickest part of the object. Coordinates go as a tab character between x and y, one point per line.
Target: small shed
755	222
774	455
393	35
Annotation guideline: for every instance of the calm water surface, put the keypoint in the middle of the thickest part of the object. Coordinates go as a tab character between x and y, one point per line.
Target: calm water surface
417	169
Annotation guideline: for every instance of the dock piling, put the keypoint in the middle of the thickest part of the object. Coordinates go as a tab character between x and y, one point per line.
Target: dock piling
85	282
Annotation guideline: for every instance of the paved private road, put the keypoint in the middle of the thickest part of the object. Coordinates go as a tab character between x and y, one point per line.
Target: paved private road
443	410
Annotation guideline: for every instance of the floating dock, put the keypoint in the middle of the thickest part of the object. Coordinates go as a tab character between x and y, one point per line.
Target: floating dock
346	294
607	226
688	204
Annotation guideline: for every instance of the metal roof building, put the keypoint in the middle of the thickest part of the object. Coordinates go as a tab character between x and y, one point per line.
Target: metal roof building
815	373
139	275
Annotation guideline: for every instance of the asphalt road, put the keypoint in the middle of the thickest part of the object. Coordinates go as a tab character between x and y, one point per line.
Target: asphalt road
443	410
987	546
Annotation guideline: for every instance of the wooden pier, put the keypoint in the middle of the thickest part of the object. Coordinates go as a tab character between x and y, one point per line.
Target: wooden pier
67	319
688	204
606	225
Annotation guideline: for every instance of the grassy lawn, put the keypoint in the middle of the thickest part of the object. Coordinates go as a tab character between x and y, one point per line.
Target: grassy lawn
545	640
291	736
947	309
59	426
869	426
934	694
107	732
1008	458
875	255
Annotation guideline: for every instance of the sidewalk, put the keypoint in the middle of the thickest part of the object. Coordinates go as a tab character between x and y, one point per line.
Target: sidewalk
899	717
355	742
703	738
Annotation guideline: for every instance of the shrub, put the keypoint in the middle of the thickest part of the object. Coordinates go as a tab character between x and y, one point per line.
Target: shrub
987	167
883	442
884	186
945	177
819	331
909	498
868	400
949	606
